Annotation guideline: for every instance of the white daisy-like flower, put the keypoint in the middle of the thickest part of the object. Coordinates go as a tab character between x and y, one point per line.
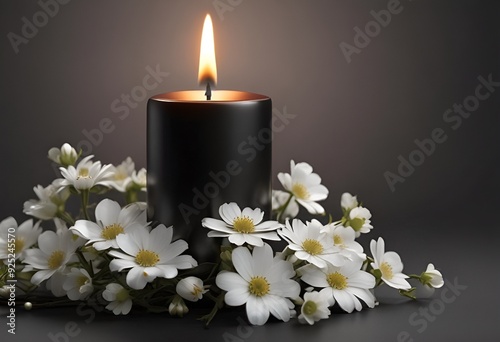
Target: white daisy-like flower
280	199
389	264
121	175
359	220
242	226
78	284
348	201
305	186
64	156
314	308
54	253
346	284
86	175
111	220
121	303
150	255
140	179
344	238
432	277
310	243
191	288
262	282
50	200
24	237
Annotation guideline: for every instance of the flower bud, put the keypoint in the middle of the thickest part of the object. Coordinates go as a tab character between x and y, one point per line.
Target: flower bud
190	288
178	307
432	277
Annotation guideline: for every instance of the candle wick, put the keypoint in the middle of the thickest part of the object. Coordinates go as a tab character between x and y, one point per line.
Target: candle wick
208	93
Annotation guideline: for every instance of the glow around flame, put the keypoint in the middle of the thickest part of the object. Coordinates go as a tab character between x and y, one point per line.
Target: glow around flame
207	71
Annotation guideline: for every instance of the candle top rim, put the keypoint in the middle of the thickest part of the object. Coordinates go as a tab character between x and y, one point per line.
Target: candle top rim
218	96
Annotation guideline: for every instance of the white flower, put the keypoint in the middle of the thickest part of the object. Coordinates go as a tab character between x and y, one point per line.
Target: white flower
111	221
78	284
119	298
305	186
359	220
242	226
314	308
177	307
191	288
121	175
348	201
86	175
279	199
50	200
56	281
311	244
150	255
54	252
65	156
262	282
389	264
346	284
344	239
23	237
139	178
432	277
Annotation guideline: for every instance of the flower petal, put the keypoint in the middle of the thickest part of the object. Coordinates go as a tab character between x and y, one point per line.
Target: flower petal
107	212
257	311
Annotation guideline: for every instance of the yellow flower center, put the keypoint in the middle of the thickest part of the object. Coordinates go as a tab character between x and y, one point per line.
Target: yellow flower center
313	247
356	223
147	258
338	241
120	176
122	295
386	270
110	232
309	307
337	280
243	224
55	259
81	280
196	291
258	286
300	191
83	173
19	245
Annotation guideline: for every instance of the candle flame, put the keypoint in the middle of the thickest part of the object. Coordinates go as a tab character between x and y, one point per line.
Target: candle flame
207	71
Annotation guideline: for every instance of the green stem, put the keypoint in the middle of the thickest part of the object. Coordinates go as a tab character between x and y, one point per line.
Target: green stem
66	217
131	196
282	209
85	203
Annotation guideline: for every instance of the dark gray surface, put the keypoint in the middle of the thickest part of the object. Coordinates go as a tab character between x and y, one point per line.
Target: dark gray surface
352	122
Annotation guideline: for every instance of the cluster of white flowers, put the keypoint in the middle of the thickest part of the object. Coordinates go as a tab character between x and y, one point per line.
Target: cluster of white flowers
120	257
325	257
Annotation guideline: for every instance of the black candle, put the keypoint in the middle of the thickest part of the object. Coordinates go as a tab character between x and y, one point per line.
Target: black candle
202	154
204	149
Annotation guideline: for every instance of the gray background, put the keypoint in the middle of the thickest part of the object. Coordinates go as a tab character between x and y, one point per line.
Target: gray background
352	122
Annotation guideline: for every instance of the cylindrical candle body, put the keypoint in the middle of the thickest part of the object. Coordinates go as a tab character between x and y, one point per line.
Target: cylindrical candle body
201	154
